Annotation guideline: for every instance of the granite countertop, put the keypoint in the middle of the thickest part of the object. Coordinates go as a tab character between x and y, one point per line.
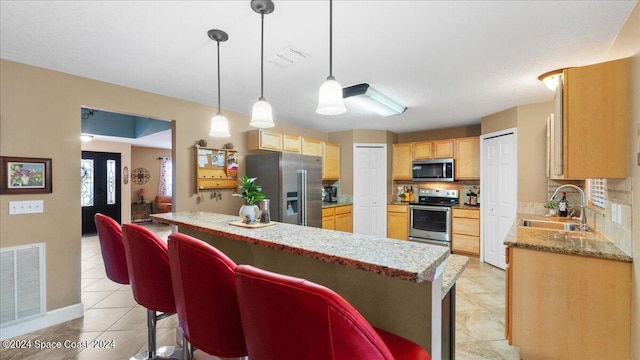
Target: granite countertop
591	244
404	260
335	204
453	268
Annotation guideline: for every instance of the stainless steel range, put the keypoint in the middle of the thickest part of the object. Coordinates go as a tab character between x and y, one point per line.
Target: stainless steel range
430	216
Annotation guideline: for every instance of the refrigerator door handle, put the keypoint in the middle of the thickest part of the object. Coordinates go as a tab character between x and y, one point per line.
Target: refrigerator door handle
303	197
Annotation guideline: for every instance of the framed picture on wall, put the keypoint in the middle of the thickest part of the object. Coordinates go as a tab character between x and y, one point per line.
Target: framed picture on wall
20	175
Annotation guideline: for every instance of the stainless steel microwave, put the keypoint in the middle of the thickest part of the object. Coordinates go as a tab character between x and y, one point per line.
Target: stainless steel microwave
433	170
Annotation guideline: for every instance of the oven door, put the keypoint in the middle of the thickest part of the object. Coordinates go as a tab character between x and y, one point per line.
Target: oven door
430	222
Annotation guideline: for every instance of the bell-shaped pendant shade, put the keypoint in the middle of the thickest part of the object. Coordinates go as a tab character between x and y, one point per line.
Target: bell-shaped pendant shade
262	116
330	100
219	126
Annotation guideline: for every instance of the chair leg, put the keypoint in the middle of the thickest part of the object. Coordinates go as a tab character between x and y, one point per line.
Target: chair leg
151	333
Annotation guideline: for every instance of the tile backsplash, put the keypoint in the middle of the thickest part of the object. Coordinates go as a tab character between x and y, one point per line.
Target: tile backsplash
463	188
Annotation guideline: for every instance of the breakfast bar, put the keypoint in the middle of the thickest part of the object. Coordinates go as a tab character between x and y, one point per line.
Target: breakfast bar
396	285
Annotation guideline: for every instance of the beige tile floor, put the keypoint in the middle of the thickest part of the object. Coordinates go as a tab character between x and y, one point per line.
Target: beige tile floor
111	314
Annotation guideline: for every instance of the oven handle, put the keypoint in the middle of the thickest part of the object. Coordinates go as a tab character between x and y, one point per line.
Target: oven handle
430	208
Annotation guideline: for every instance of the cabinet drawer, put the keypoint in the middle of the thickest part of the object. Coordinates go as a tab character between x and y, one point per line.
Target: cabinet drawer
328	212
398	208
343	209
466	226
470	244
216	184
464	213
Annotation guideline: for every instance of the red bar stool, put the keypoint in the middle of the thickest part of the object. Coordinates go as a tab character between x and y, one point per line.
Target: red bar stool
289	318
150	275
112	248
205	294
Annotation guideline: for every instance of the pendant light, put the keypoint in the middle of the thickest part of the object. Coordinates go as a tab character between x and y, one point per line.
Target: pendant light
262	115
330	98
219	123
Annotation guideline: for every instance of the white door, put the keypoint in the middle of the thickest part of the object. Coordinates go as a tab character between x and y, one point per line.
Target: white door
369	189
499	184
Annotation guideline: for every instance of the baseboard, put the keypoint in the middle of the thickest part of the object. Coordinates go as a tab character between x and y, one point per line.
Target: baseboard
51	318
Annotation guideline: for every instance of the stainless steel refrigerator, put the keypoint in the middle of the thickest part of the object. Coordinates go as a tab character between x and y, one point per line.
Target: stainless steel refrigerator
293	184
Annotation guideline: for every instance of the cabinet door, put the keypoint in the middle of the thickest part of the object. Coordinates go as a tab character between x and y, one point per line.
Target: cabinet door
270	140
422	150
311	147
330	161
397	226
328	219
343	219
291	143
443	149
596	120
402	158
467	158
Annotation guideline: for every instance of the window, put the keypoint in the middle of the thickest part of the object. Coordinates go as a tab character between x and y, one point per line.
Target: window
165	184
595	188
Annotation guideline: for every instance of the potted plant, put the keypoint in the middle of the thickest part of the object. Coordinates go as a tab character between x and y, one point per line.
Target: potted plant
251	192
552	206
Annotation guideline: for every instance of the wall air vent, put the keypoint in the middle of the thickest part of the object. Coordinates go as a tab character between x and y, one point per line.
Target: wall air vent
22	283
287	57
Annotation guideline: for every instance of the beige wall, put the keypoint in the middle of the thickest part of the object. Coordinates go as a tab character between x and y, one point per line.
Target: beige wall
147	158
40	117
532	151
447	133
125	160
505	119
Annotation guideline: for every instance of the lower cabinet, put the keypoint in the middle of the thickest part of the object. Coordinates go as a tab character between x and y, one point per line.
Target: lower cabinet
561	306
465	229
338	218
398	221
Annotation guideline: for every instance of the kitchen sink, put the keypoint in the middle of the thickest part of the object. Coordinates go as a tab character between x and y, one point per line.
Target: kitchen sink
551	225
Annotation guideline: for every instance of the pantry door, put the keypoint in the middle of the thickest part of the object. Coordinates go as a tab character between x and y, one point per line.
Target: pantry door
370	189
499	196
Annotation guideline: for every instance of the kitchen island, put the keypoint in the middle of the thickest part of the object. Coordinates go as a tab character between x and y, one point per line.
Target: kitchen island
396	285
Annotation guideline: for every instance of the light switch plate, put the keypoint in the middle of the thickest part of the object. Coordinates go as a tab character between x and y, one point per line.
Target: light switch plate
26	207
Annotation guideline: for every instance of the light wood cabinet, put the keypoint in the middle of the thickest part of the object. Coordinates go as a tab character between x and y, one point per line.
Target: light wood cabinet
443	149
467	158
311	147
422	150
344	218
291	143
402	158
216	168
338	218
567	307
261	139
330	161
398	221
465	229
595	121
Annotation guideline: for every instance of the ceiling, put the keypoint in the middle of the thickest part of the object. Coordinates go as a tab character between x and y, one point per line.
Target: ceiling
449	62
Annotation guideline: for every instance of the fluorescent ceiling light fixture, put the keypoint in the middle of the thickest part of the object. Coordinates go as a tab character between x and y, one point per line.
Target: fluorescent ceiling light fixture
551	78
367	96
86	138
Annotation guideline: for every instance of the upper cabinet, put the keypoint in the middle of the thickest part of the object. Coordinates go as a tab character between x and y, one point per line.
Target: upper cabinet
311	147
594	122
291	143
261	139
467	158
330	161
216	168
402	158
437	149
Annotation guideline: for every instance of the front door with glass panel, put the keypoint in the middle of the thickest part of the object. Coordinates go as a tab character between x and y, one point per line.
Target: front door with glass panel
100	193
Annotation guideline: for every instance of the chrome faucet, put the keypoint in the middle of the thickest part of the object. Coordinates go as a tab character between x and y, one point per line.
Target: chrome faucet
583	205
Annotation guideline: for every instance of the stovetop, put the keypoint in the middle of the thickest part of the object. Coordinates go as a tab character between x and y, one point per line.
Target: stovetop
437	197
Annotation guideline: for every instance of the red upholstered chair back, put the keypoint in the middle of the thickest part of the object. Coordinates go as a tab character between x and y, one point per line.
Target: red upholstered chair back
205	294
289	318
112	248
149	272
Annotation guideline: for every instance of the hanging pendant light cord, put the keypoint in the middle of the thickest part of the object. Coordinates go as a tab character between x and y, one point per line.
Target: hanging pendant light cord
219	111
330	38
262	57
